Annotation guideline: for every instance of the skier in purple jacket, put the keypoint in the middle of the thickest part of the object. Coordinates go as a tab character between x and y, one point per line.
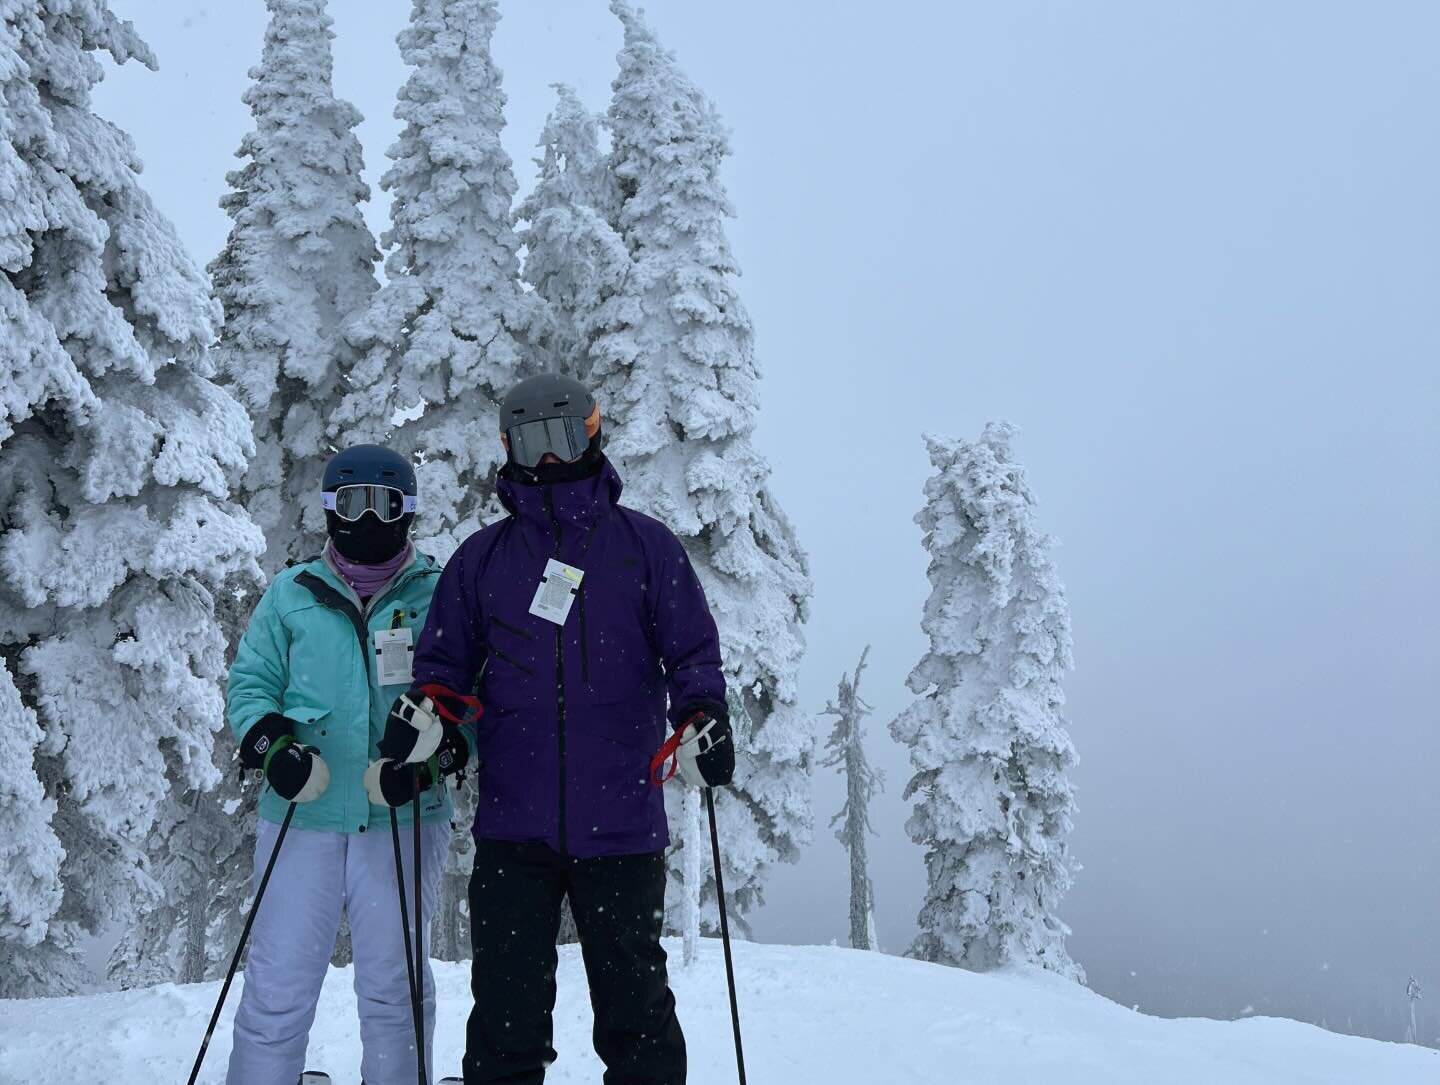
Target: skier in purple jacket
583	627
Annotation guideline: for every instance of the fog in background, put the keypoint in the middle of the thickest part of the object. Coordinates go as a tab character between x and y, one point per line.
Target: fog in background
1193	251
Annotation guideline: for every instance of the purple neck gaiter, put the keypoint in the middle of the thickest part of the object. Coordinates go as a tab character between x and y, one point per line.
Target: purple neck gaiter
366	580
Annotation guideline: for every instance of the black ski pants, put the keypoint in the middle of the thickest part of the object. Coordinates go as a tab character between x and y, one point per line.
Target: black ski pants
618	903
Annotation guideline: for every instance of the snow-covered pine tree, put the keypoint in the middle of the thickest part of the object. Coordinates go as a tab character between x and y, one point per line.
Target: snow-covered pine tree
30	852
574	258
846	750
116	452
987	736
674	370
298	262
201	857
450	330
299	259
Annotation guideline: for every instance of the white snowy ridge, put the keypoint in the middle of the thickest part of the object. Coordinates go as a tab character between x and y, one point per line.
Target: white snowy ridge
811	1015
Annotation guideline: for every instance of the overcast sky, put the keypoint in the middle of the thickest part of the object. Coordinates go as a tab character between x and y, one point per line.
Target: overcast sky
1192	250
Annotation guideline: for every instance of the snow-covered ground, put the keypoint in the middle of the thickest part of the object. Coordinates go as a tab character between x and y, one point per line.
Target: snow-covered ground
812	1015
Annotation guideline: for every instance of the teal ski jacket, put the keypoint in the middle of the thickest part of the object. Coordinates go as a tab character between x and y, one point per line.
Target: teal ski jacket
309	654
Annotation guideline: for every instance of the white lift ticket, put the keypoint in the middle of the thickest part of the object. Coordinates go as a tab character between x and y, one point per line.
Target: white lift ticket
556	593
395	649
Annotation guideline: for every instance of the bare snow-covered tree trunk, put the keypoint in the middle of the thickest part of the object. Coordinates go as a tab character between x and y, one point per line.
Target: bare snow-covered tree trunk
862	908
197	923
450	932
344	951
845	749
693	873
569	933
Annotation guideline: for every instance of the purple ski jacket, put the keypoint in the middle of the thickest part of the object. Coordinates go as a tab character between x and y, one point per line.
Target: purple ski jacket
573	713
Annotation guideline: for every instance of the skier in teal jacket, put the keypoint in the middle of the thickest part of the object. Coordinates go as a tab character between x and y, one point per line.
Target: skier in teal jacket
327	652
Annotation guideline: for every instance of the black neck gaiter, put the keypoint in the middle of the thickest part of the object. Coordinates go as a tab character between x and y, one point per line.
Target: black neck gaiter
368	540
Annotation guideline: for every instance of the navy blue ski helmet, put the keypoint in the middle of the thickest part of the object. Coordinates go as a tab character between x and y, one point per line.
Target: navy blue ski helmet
372	465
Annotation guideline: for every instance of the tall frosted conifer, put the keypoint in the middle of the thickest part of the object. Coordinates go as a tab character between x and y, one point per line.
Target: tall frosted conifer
116	451
299	261
845	750
575	259
449	331
675	373
988	738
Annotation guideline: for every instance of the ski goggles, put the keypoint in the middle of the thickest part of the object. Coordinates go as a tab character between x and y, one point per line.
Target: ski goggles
564	438
355	500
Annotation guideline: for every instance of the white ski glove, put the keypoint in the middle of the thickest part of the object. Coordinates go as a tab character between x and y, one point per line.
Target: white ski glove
706	753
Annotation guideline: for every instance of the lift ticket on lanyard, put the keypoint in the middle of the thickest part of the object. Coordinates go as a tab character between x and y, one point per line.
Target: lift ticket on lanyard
556	593
395	650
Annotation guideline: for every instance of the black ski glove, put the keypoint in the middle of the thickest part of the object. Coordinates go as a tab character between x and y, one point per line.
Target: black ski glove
261	737
392	783
707	748
453	754
421	717
412	729
296	773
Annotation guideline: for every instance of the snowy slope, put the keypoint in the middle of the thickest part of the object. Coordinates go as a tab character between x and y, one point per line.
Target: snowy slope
811	1015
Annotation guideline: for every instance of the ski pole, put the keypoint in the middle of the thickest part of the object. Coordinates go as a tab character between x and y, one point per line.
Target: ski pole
239	949
419	943
725	932
405	928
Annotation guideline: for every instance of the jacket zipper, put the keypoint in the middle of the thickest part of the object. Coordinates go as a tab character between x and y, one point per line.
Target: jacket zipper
559	684
328	597
584	638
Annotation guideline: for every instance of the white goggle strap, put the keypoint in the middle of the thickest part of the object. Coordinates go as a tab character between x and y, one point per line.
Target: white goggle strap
408	503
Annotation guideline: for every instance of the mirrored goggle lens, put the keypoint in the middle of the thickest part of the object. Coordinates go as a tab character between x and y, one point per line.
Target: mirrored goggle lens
353	502
564	437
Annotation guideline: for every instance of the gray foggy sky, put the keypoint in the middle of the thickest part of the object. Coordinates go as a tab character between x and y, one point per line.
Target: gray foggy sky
1192	251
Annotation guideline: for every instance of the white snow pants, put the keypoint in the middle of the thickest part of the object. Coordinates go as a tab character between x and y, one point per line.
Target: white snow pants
316	876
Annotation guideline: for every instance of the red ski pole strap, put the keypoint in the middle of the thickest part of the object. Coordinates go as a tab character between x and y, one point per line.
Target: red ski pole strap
439	694
668	752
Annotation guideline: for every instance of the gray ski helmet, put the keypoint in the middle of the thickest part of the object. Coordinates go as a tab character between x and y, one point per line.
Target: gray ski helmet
548	413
